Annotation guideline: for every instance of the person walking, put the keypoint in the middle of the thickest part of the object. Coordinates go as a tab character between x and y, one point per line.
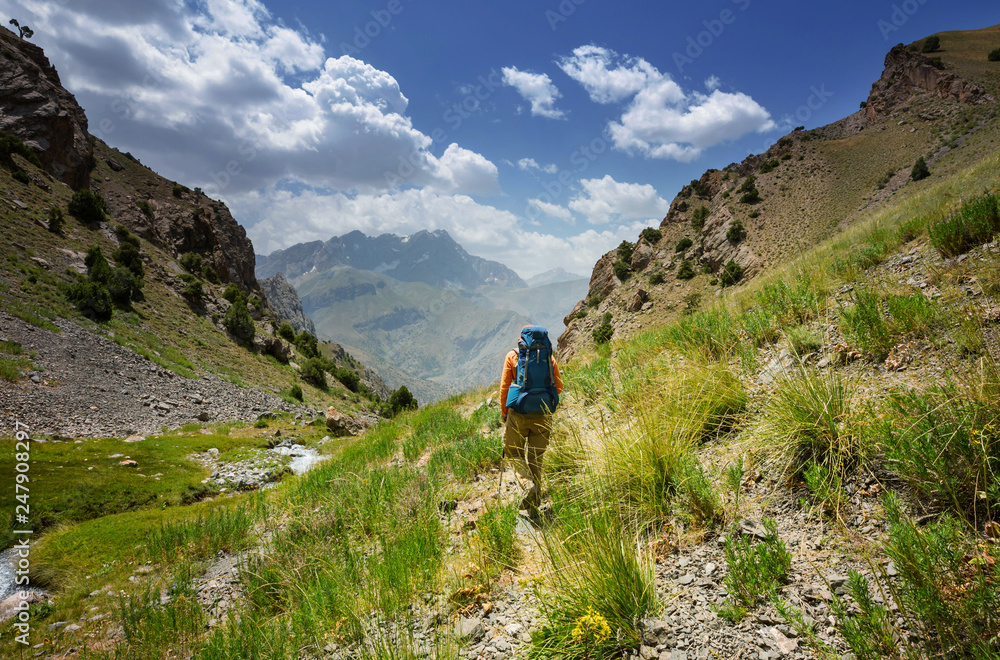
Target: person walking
530	386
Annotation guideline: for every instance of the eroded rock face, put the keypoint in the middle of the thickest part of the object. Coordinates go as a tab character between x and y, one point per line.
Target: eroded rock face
35	107
908	73
717	250
603	280
641	256
285	302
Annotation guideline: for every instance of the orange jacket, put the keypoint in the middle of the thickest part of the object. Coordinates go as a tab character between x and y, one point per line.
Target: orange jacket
510	370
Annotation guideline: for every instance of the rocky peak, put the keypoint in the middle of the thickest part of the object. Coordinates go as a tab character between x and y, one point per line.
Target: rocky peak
36	108
286	303
907	74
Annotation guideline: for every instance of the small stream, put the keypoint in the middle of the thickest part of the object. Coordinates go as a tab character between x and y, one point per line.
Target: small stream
303	460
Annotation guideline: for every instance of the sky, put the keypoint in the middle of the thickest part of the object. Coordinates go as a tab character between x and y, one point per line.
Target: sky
538	133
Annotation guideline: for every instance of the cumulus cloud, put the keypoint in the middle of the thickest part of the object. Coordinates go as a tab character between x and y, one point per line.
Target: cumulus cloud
536	88
552	210
607	76
529	164
663	120
605	200
219	94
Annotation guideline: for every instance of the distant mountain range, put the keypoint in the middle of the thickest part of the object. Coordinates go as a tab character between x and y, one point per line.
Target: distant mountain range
430	257
419	309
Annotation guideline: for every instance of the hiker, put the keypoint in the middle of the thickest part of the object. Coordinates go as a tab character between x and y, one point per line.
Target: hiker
529	393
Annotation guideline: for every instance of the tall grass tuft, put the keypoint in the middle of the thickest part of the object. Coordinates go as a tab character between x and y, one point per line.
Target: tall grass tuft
153	630
597	591
975	223
220	529
876	322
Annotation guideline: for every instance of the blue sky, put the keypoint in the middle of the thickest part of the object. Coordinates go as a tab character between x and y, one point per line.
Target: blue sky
538	133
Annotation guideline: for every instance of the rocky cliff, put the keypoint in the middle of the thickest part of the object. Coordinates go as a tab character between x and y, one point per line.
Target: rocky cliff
286	303
36	108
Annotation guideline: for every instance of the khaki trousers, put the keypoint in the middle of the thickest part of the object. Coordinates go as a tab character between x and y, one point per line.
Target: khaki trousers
524	441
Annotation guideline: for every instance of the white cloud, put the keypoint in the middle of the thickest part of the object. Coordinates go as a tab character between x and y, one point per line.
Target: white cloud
536	88
218	94
607	76
606	200
662	120
552	210
528	164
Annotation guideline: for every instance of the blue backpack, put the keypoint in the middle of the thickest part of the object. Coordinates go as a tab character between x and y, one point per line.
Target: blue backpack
534	388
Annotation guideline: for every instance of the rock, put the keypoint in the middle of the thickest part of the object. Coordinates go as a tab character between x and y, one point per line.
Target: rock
134	438
751	528
71	628
128	463
115	165
776	639
282	298
36	108
203	416
9	605
341	424
469	629
42	263
639	298
641	256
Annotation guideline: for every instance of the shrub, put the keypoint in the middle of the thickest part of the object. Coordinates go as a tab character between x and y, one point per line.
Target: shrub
128	256
786	156
698	217
751	197
233	292
92	299
123	285
347	378
495	532
685	271
731	274
603	331
401	400
210	275
22	177
287	332
652	235
238	321
194	289
756	569
593	301
178	190
683	244
754	213
307	345
56	220
877	323
312	371
99	270
735	232
975	223
769	166
296	392
804	341
625	250
994	55
622	270
920	170
656	278
191	262
145	207
931	44
11	144
87	207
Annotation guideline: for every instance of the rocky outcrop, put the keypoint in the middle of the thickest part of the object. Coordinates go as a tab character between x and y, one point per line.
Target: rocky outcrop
717	250
603	280
35	107
908	73
285	302
341	424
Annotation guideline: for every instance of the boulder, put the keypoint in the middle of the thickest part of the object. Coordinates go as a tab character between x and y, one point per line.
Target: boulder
639	299
641	256
603	280
341	424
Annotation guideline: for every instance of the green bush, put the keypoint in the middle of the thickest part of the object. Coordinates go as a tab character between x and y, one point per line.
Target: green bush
191	262
622	270
931	44
128	256
194	289
307	345
495	531
22	177
698	217
296	392
347	378
683	245
287	332
731	274
656	278
11	144
603	332
994	55
89	208
56	220
651	235
975	223
920	170
313	371
92	299
754	213
178	190
735	232
146	208
233	292
751	197
238	321
123	286
625	250
685	271
210	275
756	569
877	323
400	400
769	166
99	270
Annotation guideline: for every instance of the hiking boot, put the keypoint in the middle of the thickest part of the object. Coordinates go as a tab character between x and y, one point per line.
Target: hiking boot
532	499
